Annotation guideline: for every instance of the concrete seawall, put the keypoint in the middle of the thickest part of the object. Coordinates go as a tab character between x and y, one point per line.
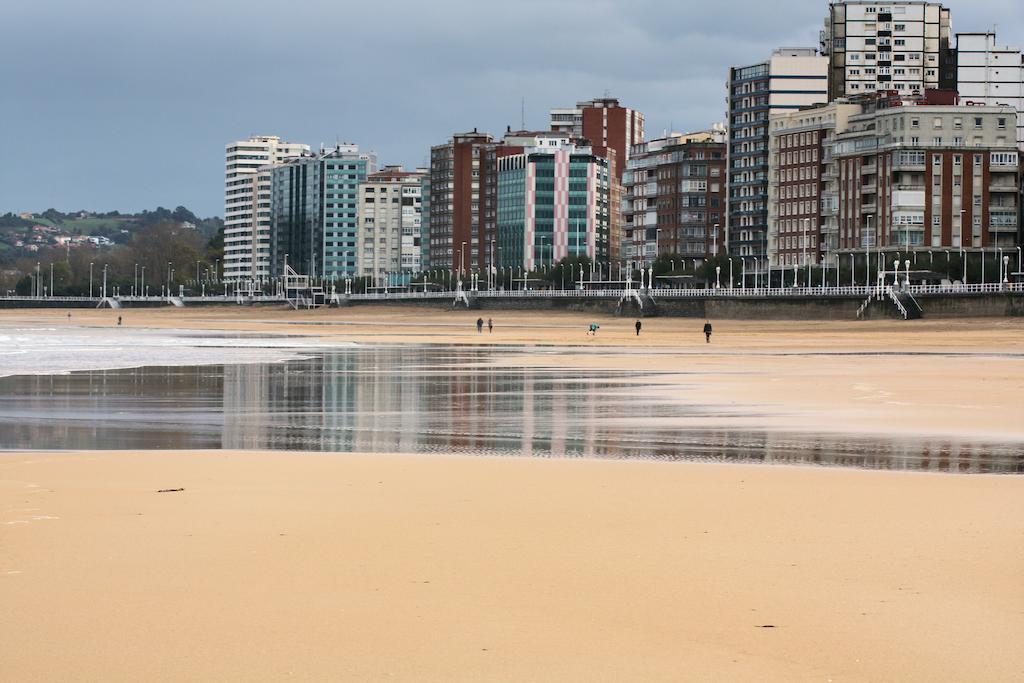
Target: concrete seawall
735	308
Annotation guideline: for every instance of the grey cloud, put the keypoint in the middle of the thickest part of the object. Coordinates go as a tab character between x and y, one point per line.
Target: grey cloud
126	104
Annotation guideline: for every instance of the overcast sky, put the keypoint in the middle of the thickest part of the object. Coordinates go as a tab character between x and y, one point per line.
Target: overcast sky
127	104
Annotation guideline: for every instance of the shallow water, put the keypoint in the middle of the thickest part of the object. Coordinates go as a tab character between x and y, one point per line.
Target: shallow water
430	400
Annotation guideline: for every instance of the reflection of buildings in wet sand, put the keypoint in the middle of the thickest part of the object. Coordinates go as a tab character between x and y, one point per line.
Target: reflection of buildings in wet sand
110	409
246	407
866	452
409	400
349	402
454	401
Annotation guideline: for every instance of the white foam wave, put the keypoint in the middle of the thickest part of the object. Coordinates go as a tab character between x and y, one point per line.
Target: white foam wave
44	351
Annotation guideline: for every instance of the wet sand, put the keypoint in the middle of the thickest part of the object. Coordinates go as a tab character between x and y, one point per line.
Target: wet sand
955	378
314	567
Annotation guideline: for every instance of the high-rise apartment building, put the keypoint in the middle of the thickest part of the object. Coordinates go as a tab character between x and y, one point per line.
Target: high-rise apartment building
553	201
425	262
675	197
247	204
792	78
389	211
604	122
463	198
611	130
315	212
803	189
929	176
902	45
988	73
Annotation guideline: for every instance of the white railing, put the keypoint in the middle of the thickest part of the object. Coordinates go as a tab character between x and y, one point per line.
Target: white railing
896	300
722	292
987	288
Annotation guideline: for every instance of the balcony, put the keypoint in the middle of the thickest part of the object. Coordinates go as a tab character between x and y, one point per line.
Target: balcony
745	183
1002	187
869	188
868	207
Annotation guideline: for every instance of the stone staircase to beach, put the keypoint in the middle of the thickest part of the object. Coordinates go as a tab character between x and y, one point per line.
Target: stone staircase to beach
890	303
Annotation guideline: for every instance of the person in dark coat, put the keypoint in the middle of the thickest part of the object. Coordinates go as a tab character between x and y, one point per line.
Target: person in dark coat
707	331
638	326
479	325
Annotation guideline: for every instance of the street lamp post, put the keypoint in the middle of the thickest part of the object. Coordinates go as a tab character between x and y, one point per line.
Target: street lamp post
90	279
462	261
870	238
104	281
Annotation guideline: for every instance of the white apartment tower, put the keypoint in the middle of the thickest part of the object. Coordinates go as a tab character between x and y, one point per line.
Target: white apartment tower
902	46
247	204
791	79
390	219
990	74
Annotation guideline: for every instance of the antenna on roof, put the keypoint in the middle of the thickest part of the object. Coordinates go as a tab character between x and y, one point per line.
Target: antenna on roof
522	114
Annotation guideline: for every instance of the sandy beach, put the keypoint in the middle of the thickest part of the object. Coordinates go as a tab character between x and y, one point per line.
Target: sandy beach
402	567
312	567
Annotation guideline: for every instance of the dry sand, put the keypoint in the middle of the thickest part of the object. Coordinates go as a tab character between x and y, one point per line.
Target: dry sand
333	567
340	567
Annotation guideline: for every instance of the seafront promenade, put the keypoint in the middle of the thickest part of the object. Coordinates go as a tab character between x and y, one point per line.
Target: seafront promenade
847	302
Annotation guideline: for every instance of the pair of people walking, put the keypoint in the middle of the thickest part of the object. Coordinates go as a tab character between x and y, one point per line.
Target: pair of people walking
480	325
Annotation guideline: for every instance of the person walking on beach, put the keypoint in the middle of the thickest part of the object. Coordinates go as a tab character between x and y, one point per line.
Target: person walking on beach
707	331
119	321
490	326
592	331
638	326
479	325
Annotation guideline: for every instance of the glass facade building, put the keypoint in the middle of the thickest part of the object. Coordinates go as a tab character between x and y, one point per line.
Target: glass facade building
314	212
